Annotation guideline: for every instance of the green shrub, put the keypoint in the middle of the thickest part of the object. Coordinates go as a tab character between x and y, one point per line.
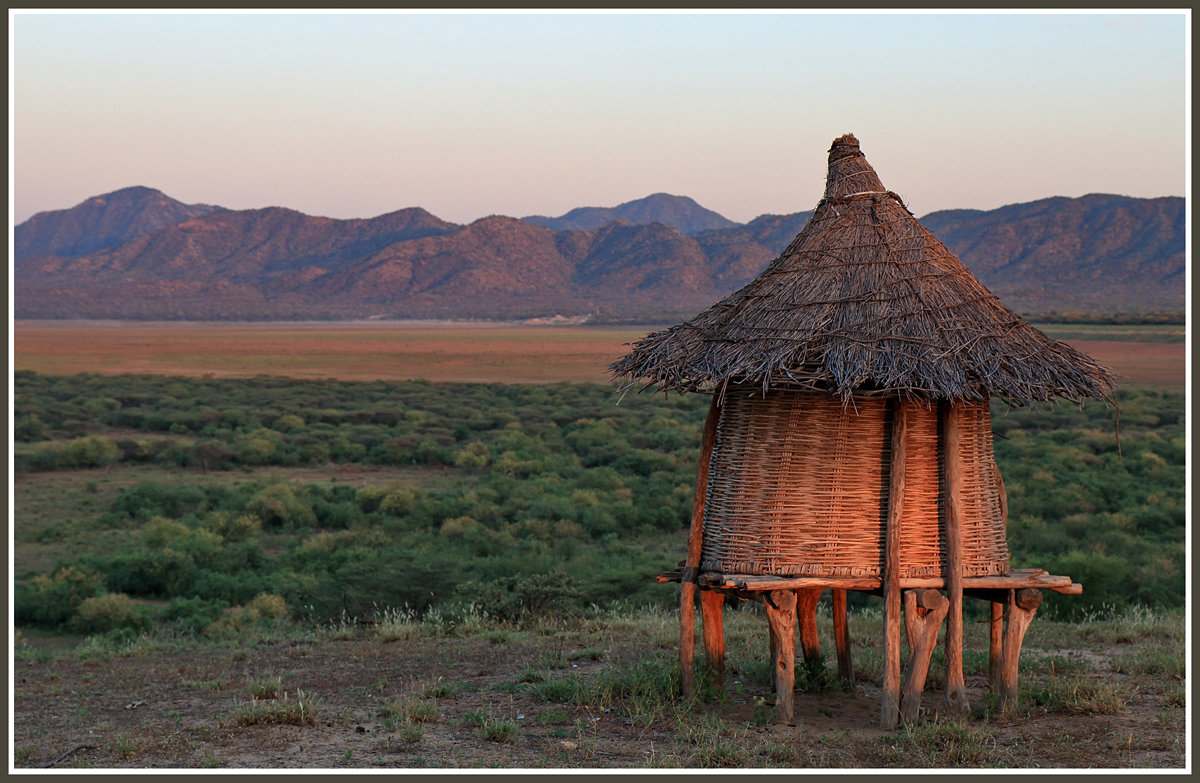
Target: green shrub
266	605
161	573
213	455
368	498
399	500
52	600
153	499
108	612
258	447
288	423
279	506
192	614
475	455
232	526
513	598
263	607
229	588
92	452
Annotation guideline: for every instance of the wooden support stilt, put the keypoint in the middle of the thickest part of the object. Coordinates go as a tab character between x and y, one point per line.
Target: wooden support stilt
956	689
841	637
1022	604
687	639
781	616
687	595
890	708
996	630
924	611
995	646
712	604
772	645
806	618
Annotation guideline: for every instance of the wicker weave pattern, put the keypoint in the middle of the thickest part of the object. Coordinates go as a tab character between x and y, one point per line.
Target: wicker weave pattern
923	531
985	541
797	487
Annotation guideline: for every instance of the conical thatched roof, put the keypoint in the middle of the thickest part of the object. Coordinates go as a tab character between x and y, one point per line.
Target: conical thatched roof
865	300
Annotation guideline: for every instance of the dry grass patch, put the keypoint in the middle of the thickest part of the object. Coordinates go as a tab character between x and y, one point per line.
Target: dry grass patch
300	710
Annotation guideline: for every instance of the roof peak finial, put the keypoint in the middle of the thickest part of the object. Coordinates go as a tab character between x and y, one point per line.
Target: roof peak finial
849	172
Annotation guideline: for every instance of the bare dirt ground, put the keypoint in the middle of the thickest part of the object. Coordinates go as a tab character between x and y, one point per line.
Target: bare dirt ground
178	708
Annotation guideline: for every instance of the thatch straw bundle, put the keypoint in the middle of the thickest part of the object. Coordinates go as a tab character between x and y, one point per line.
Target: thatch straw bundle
865	301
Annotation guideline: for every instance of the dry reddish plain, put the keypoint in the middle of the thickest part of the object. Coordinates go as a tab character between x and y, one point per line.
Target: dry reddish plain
403	351
347	351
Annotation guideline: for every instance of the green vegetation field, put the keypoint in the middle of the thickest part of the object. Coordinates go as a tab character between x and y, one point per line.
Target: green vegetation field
202	494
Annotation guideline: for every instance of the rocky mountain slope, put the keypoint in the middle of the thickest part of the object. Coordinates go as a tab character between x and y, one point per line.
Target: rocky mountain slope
1095	252
136	253
101	222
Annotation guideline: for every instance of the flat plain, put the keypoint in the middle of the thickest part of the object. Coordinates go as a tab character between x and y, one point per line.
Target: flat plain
1148	356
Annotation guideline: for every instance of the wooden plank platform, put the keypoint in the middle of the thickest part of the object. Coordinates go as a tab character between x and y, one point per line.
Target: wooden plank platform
1016	579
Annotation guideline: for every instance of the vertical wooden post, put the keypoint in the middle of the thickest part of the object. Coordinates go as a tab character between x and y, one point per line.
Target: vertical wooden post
687	638
687	595
781	616
712	603
995	646
1021	606
773	645
996	629
841	637
956	689
924	611
890	708
806	618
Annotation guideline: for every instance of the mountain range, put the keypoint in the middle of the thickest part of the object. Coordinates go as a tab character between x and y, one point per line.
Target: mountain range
137	253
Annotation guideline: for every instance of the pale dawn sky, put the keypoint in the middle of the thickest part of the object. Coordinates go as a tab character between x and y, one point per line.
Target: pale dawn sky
466	115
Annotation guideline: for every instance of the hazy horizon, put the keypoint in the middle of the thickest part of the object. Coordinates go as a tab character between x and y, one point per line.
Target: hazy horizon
351	115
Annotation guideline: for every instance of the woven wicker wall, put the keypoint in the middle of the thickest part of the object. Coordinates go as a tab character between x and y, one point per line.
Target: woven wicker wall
798	484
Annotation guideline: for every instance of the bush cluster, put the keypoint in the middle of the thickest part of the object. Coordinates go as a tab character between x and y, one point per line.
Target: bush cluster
519	487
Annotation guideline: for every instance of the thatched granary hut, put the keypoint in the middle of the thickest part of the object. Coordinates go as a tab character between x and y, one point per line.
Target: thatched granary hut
849	444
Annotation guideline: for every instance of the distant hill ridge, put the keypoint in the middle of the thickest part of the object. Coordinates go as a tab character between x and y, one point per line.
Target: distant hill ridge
137	253
101	222
679	212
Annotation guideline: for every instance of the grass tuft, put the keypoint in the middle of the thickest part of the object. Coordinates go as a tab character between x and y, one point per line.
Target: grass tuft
560	690
947	743
298	711
1072	696
441	689
270	688
409	710
505	732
